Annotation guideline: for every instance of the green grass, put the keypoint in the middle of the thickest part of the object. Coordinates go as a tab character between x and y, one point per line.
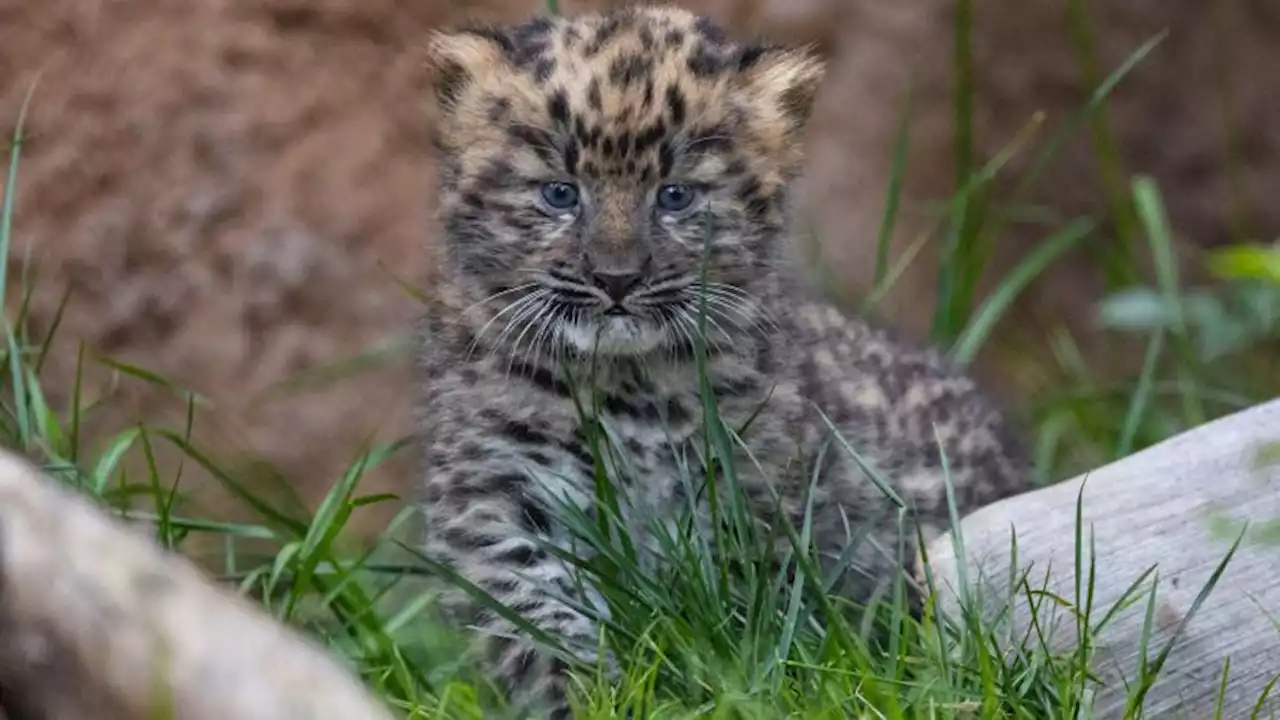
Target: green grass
735	637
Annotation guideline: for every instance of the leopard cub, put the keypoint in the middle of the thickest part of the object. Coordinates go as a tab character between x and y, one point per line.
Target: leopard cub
591	171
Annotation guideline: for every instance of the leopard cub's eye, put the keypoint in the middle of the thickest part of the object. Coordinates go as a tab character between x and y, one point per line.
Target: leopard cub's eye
675	198
560	195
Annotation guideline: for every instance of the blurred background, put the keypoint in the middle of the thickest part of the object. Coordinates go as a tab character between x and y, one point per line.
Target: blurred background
229	197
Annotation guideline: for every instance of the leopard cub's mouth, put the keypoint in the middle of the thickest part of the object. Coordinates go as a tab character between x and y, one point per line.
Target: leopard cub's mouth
656	315
614	331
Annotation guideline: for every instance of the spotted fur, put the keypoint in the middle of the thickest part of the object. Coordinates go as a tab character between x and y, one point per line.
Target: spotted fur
544	310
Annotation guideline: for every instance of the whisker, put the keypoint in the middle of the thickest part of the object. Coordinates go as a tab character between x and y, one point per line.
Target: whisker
518	320
723	307
668	285
711	319
519	304
688	317
562	346
500	293
727	290
529	324
679	323
741	297
704	140
546	328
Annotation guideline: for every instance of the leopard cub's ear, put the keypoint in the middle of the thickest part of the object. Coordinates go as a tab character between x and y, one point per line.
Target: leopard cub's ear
458	58
781	84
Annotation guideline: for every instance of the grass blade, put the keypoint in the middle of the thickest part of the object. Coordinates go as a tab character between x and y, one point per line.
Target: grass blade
995	306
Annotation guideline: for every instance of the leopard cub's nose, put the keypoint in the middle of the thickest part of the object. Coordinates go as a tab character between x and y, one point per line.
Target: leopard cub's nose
616	284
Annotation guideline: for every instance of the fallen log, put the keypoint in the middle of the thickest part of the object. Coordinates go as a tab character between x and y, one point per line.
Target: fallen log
1177	507
96	621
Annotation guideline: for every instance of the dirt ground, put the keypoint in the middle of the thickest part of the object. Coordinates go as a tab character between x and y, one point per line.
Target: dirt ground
229	188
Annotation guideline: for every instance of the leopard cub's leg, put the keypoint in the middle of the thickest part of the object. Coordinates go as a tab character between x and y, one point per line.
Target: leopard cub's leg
490	528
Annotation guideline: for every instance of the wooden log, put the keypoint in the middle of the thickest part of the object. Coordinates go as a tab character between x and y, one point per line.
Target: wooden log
96	621
1178	506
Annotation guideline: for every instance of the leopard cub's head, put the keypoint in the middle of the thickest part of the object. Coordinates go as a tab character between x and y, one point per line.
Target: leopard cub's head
592	167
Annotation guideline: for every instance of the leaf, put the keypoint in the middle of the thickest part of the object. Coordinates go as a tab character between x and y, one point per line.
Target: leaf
1137	308
1254	262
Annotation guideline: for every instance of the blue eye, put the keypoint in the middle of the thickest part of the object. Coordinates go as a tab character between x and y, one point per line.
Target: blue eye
674	198
560	195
